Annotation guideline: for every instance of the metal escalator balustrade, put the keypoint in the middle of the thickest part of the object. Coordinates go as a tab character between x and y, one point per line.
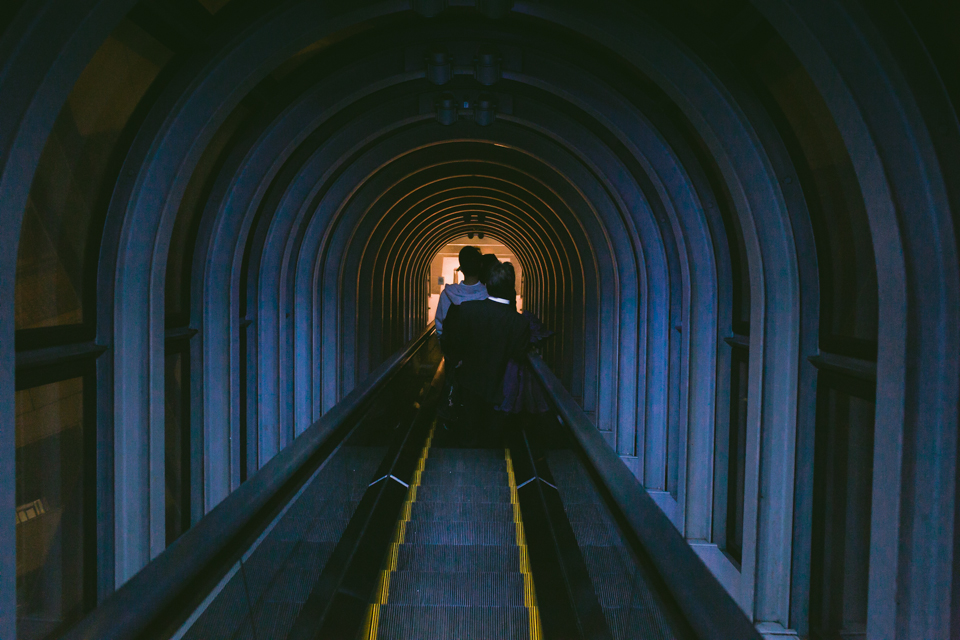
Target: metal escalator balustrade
246	566
669	592
373	527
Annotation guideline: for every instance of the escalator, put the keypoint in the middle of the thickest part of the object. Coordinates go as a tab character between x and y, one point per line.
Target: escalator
377	523
457	567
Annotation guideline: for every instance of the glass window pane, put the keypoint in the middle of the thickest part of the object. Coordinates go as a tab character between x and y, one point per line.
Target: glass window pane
50	507
737	452
180	256
848	277
176	452
843	491
67	194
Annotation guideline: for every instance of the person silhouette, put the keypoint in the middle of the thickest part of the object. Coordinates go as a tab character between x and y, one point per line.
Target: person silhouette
482	337
455	293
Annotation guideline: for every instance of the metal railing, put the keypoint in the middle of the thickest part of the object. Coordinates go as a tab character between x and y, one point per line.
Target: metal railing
710	612
130	611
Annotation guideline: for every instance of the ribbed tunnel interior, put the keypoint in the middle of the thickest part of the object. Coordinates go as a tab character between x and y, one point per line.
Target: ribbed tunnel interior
333	237
219	217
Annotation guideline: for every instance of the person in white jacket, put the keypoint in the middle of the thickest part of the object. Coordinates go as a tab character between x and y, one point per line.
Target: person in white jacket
470	289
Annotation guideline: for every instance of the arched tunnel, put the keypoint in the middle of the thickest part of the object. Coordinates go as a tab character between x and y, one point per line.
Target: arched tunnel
222	222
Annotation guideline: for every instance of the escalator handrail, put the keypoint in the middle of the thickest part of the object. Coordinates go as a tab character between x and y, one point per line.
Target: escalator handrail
130	609
707	607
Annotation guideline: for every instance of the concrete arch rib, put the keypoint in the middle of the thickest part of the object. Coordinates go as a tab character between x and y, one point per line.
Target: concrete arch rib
41	61
166	186
217	307
432	221
268	369
429	222
896	120
775	291
692	232
338	238
151	209
335	276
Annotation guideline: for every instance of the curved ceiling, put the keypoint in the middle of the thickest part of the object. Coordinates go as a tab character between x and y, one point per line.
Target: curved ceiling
282	183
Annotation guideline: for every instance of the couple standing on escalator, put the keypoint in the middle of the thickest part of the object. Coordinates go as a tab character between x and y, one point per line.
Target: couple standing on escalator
484	341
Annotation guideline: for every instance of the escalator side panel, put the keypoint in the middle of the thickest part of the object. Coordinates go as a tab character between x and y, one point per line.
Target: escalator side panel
271	581
628	601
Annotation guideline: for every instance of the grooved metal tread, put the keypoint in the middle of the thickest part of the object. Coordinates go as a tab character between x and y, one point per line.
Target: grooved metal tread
444	493
628	603
472	533
469	623
455	454
462	588
277	577
457	574
463	512
468	478
457	558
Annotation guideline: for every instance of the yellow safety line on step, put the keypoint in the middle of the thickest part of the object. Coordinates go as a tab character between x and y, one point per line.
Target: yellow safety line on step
529	595
383	588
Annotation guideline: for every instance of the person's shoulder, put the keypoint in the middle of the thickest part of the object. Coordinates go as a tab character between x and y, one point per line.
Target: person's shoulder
472	304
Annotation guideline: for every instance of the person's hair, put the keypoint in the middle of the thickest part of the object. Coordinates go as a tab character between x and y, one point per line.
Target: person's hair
470	261
502	281
487	261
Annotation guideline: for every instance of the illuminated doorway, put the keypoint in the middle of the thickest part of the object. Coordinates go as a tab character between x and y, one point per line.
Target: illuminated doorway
445	268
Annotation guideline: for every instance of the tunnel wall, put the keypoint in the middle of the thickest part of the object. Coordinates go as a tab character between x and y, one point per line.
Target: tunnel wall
289	165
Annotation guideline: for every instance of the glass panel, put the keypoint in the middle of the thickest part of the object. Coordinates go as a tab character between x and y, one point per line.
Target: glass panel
848	278
177	443
741	275
736	246
180	256
737	456
50	507
843	489
67	191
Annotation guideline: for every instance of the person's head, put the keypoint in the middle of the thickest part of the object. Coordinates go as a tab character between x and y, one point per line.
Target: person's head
501	281
487	262
470	262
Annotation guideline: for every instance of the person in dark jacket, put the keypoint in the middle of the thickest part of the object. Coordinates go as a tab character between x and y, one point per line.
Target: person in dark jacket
487	262
482	337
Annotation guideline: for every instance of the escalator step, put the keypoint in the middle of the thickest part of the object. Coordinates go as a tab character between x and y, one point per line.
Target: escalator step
606	559
445	477
464	466
614	590
272	620
432	493
594	533
297	524
326	530
429	623
579	495
312	505
472	533
293	584
439	454
464	589
261	570
453	558
499	512
588	512
649	624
